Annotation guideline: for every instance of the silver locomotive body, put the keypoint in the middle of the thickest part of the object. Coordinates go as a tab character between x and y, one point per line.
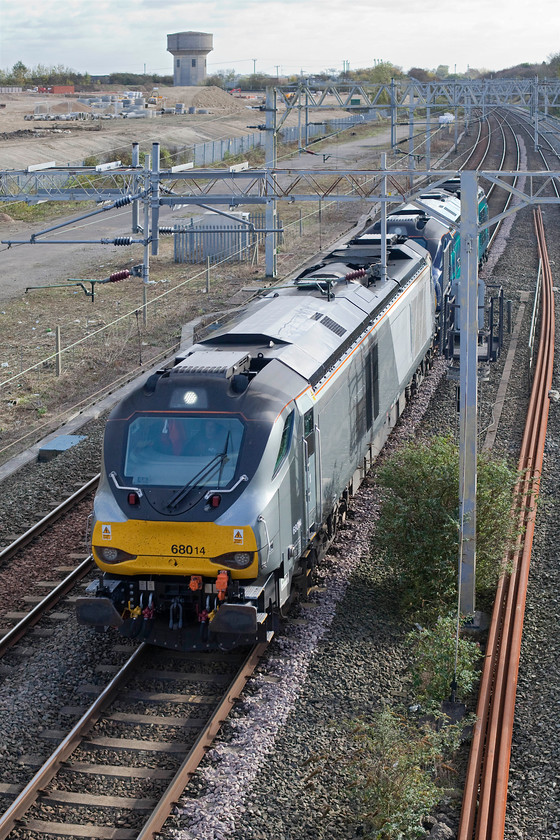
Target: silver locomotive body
203	544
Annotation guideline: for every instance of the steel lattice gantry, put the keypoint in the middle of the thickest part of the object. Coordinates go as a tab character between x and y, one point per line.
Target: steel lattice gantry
63	183
255	186
477	93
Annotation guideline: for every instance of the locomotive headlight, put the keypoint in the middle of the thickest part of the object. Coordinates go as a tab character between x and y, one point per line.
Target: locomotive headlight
235	560
190	398
182	398
243	559
108	554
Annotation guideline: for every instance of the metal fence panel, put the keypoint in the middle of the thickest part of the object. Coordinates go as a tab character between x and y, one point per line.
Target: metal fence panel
215	151
231	243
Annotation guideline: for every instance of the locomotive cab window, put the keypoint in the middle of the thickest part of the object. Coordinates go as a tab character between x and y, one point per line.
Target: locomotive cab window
171	450
285	441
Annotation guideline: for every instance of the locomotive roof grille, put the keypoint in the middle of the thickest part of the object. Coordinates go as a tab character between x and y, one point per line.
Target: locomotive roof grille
329	323
224	363
410	212
437	196
452	185
374	240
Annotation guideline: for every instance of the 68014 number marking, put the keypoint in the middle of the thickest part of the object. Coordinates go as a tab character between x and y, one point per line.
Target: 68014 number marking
188	549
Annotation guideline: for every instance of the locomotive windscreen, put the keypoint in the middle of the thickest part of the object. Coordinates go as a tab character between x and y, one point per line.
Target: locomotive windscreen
169	451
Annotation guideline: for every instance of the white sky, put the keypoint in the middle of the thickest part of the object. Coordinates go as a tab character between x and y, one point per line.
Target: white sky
99	36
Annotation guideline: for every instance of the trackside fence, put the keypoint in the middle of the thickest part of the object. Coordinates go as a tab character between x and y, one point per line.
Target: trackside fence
214	151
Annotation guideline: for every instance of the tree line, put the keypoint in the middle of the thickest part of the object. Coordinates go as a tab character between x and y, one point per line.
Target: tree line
42	76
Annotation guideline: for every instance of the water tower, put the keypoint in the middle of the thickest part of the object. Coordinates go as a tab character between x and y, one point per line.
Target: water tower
189	51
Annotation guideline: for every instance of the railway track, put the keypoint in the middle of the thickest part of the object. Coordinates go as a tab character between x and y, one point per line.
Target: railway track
28	620
22	622
484	804
48	520
133	750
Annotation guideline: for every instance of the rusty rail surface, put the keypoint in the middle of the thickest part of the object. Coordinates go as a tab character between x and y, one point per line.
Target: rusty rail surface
488	768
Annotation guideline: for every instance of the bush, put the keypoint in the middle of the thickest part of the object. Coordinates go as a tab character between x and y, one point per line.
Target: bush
433	666
395	771
418	527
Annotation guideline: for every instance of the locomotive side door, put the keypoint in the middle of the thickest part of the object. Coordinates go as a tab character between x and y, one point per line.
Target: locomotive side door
311	458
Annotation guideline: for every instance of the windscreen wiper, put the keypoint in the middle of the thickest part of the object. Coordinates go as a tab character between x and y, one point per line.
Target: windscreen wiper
224	459
204	472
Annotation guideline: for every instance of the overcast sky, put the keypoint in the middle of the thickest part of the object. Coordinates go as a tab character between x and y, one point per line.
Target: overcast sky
283	36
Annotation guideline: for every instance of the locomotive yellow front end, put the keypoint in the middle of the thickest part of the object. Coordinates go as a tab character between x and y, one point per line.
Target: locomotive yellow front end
140	547
176	584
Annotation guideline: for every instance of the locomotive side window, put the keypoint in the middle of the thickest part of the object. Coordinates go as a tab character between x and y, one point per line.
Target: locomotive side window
285	441
372	385
308	431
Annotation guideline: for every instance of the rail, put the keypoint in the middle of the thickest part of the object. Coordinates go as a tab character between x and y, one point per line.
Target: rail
484	802
48	520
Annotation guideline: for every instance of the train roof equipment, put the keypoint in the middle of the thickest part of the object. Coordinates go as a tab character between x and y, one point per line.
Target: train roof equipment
306	332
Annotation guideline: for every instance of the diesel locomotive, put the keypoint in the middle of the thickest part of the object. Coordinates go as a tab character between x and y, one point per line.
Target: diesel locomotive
225	476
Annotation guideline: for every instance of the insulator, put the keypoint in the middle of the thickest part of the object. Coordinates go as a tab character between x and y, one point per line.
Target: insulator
166	231
122	240
354	275
118	275
122	202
